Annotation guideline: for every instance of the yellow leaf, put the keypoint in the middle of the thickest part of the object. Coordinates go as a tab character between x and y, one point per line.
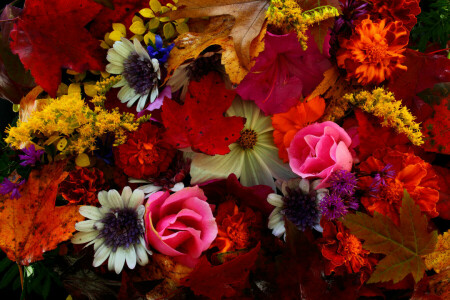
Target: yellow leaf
137	28
164	19
155	5
439	259
115	36
147	13
168	30
330	77
16	107
74	88
82	160
182	28
119	27
153	24
149	36
249	17
137	19
89	89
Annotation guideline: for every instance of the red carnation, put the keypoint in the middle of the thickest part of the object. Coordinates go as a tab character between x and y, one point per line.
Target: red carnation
82	186
145	154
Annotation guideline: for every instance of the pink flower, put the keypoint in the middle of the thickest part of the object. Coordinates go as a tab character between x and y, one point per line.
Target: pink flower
180	225
320	149
283	73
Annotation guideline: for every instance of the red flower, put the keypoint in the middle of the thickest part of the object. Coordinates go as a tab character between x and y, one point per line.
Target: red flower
342	249
145	154
82	186
411	173
398	10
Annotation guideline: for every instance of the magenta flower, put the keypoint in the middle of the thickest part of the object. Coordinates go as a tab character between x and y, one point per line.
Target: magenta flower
31	156
283	73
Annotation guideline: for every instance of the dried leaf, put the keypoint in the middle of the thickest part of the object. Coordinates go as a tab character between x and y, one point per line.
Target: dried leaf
249	18
440	284
32	224
439	259
330	77
402	245
29	104
216	282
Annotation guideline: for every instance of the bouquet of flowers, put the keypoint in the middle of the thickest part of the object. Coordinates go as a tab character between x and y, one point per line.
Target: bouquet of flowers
225	149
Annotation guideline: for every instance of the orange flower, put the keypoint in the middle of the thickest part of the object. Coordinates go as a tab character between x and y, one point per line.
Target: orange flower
411	173
287	124
342	249
374	51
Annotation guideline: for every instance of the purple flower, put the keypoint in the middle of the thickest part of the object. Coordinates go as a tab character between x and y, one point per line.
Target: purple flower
31	156
379	179
8	186
301	209
342	182
333	207
158	51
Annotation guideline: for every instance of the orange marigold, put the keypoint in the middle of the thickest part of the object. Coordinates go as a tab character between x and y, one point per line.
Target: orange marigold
411	173
374	51
399	10
287	124
342	249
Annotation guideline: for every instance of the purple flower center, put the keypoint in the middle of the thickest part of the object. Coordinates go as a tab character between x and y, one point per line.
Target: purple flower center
301	209
139	73
121	228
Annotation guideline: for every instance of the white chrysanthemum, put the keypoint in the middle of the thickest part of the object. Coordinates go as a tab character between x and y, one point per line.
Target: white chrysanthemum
253	158
140	73
149	188
116	229
276	218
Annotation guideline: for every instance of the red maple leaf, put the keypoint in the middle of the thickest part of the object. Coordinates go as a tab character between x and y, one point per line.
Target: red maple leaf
50	35
200	123
218	281
424	71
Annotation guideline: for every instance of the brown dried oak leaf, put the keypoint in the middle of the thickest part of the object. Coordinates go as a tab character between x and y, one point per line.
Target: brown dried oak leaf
32	224
249	18
403	246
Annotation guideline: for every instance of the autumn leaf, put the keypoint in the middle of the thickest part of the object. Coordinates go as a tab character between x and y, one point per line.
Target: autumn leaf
439	259
50	35
249	17
32	225
200	123
216	282
330	77
403	245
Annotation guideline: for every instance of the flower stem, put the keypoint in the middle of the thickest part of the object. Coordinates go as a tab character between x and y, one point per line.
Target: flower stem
20	273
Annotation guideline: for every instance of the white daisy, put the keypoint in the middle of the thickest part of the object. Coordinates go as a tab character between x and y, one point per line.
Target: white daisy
140	73
253	158
116	229
149	188
297	194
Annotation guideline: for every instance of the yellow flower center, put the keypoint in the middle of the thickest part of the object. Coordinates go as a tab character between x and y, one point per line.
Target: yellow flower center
248	139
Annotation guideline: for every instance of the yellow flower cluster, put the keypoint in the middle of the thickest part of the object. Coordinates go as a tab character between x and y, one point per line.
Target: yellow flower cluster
69	122
288	15
336	109
383	104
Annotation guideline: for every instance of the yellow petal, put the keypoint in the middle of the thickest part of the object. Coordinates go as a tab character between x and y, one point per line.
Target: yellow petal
137	19
119	27
61	144
168	30
155	5
82	160
147	13
137	28
74	88
165	9
149	36
153	23
182	28
115	35
89	89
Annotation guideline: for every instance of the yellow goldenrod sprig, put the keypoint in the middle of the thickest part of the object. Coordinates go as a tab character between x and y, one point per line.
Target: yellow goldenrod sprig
288	15
383	104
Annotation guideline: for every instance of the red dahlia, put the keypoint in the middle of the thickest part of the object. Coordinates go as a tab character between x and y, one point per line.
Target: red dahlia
82	186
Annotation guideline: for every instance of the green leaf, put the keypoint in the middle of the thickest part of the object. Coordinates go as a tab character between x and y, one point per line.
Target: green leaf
403	245
9	276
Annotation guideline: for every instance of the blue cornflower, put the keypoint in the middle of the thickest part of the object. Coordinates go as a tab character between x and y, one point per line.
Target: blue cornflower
158	51
12	187
31	156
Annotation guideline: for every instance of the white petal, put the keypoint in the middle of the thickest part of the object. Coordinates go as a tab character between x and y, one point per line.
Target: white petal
304	186
123	48
114	199
111	261
103	199
149	188
91	212
84	237
140	50
130	257
141	254
132	100
114	57
142	101
98	243
126	195
269	152
137	198
140	211
154	94
315	183
275	200
177	187
114	69
155	64
279	230
100	256
121	83
126	93
274	221
134	180
85	226
119	260
255	171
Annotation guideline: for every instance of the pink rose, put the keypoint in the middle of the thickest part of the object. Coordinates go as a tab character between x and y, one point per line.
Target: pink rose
320	149
180	225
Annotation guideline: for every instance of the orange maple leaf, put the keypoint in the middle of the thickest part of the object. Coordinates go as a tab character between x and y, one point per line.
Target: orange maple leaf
32	224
